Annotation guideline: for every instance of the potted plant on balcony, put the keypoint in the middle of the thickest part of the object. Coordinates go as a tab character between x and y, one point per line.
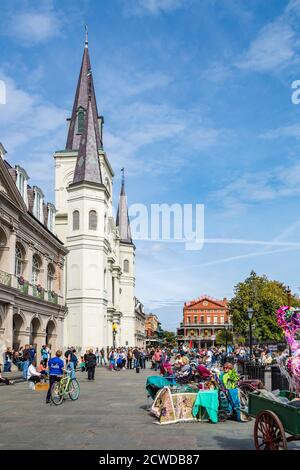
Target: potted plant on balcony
39	288
21	280
52	293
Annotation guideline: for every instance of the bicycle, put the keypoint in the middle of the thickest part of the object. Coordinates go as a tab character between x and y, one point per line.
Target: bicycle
66	386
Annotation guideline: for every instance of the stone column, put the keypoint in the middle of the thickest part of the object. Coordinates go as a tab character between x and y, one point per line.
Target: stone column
6	338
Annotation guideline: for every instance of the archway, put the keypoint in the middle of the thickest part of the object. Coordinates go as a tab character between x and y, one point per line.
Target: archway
18	326
35	331
51	335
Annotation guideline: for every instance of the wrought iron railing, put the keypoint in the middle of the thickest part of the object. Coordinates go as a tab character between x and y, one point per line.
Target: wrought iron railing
5	278
52	297
38	292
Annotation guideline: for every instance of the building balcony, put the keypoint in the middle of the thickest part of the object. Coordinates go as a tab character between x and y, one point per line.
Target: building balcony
5	278
205	325
26	288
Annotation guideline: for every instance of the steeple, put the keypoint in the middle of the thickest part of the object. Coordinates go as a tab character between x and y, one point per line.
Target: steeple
87	164
122	220
85	87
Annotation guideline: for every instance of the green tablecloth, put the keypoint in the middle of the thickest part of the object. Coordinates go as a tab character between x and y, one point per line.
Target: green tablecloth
207	399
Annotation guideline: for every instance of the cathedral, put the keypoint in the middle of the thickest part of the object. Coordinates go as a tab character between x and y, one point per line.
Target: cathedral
99	266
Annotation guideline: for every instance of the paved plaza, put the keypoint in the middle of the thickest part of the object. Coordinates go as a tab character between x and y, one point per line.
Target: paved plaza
111	413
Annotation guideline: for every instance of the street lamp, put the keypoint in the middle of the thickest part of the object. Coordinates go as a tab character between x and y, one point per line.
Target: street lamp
226	329
250	315
114	331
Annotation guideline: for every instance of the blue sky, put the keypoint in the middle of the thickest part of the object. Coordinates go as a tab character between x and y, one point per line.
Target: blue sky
196	98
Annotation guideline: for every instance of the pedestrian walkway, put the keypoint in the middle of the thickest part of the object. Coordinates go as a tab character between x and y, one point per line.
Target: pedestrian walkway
111	413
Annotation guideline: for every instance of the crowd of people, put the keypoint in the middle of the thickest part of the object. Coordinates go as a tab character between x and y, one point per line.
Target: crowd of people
122	358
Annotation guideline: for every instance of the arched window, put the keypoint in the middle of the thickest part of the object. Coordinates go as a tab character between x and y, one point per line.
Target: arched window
35	269
92	220
19	260
76	220
126	266
50	277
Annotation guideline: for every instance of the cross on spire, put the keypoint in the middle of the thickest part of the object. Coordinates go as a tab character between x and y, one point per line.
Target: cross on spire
86	37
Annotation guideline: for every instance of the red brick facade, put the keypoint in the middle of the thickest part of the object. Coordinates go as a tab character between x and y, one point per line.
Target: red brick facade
205	310
202	319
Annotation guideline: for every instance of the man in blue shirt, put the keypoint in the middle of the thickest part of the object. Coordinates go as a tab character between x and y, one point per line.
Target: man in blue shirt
56	370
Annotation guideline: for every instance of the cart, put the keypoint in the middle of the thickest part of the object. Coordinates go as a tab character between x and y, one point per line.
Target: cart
273	421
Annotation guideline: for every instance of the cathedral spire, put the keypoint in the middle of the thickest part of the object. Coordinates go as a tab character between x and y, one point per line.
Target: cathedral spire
122	220
84	91
87	165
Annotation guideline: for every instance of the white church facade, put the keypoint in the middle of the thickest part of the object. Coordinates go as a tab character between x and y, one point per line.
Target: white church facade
99	266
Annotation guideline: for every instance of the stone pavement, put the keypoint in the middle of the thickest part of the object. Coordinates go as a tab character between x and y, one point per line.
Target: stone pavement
111	413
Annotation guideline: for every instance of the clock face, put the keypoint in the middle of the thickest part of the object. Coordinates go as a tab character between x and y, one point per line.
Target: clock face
205	303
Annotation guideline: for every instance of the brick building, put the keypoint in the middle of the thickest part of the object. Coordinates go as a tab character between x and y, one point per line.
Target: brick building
202	319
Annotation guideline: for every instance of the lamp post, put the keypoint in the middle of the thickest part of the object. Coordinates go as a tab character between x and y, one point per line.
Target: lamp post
226	341
250	315
114	331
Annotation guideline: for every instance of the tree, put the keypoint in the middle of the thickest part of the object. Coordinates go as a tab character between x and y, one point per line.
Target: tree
221	337
169	339
265	297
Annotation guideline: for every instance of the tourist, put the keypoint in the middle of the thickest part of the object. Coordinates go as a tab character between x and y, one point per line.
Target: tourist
44	354
5	380
26	361
8	355
112	360
32	374
56	366
91	362
32	353
129	358
102	357
97	354
82	364
157	359
136	354
42	369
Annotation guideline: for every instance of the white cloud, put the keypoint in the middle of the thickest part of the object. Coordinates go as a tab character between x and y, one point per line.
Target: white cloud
273	47
32	129
152	7
292	130
253	188
33	27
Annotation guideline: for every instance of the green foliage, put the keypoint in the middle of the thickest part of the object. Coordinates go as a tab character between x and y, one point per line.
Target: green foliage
169	339
265	297
221	338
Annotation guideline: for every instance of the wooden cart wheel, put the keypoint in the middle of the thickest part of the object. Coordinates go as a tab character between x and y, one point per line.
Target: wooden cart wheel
268	432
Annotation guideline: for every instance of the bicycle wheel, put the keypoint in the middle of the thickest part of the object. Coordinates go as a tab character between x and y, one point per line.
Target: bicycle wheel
56	394
74	390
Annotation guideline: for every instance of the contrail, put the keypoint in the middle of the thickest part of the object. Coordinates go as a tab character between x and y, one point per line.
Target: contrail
226	260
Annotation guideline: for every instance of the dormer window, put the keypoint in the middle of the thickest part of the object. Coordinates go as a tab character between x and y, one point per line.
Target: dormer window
80	121
38	203
21	182
50	221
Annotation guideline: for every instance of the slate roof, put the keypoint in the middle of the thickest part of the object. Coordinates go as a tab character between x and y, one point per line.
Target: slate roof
88	165
122	220
85	87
